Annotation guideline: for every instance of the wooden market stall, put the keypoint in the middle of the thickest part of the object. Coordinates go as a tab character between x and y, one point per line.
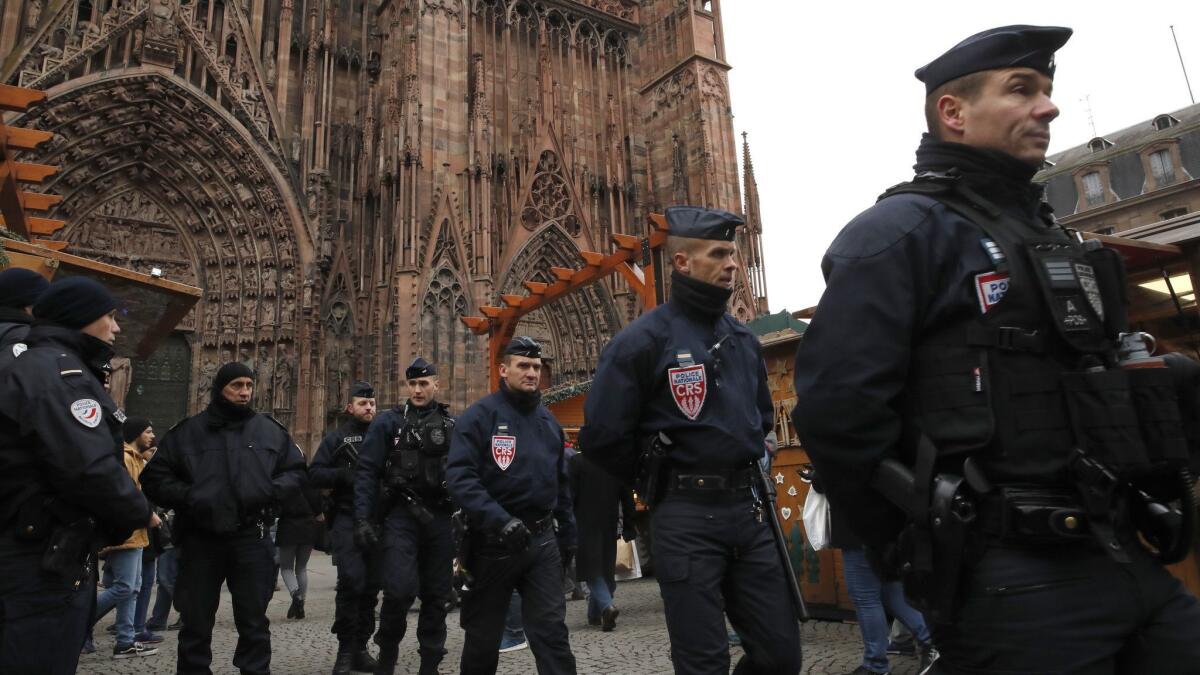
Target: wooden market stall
150	307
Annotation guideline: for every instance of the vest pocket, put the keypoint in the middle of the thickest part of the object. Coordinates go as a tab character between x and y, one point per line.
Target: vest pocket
1104	419
952	388
1159	416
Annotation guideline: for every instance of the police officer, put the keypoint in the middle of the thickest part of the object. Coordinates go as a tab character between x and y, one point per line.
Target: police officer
967	338
358	583
64	490
691	371
19	289
508	473
402	476
224	470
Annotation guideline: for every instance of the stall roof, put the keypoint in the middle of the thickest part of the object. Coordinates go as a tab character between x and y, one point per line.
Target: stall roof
149	307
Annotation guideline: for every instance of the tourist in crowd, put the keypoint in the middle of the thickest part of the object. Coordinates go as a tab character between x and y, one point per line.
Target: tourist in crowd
601	502
125	560
294	541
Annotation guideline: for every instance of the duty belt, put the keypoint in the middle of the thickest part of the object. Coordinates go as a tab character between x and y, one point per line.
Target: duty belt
700	482
537	526
1029	514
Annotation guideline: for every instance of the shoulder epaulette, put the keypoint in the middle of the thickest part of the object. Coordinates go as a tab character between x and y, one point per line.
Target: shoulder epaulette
277	422
69	366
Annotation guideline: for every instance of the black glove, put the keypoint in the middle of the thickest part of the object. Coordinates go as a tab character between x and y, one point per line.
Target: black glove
515	536
628	531
365	536
567	553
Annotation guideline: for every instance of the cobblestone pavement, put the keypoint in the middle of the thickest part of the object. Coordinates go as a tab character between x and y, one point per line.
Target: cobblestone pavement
638	646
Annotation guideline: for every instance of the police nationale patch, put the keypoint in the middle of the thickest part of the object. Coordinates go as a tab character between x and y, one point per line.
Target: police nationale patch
87	412
990	287
18	349
504	449
689	386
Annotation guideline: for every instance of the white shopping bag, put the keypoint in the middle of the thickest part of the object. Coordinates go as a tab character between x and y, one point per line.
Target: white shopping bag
816	520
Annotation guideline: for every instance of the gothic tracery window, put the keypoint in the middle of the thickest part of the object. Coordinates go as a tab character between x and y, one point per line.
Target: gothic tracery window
443	338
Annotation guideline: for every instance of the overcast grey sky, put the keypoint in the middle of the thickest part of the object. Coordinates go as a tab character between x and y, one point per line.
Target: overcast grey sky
826	92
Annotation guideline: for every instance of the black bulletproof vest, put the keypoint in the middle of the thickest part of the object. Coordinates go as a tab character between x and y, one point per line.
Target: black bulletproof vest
421	446
990	385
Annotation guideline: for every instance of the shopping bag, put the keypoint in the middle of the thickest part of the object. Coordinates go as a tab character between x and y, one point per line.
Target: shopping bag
816	520
629	566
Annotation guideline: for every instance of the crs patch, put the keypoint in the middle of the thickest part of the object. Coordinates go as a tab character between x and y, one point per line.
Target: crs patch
990	288
87	412
689	387
504	450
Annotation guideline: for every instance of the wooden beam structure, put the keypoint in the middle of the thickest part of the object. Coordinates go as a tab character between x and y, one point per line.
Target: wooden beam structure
634	259
14	201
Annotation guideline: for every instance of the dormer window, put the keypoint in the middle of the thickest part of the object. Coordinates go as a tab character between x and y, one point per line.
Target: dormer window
1093	190
1164	122
1099	144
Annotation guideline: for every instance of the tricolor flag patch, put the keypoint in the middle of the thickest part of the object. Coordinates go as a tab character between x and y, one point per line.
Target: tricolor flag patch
87	412
990	287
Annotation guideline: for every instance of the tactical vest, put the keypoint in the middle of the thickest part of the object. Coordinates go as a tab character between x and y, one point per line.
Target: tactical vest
421	446
1025	383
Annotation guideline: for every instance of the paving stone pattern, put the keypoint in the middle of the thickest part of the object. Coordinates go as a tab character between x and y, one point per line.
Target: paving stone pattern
639	646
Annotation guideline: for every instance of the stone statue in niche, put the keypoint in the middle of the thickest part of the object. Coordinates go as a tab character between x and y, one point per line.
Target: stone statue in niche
249	317
204	380
250	281
282	380
263	394
268	281
287	313
229	316
232	290
210	319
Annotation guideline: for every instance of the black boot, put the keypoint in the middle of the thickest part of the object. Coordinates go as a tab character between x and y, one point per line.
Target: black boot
363	661
294	606
429	661
344	662
387	659
300	608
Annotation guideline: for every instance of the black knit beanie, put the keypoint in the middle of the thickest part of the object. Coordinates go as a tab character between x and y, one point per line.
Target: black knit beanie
20	287
74	302
134	427
228	373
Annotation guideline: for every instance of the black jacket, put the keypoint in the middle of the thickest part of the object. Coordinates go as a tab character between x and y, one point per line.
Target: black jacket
14	326
507	460
329	471
222	477
661	373
60	434
600	500
298	518
894	276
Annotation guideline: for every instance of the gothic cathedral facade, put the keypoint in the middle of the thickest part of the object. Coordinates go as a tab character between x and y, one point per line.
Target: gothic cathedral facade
345	179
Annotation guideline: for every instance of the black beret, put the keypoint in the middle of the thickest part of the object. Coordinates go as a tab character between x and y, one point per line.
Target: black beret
20	287
523	345
133	427
419	368
74	302
1004	47
362	389
696	222
228	373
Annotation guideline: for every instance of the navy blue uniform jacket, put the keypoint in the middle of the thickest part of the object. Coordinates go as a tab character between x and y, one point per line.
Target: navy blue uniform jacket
631	398
899	270
533	484
60	435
